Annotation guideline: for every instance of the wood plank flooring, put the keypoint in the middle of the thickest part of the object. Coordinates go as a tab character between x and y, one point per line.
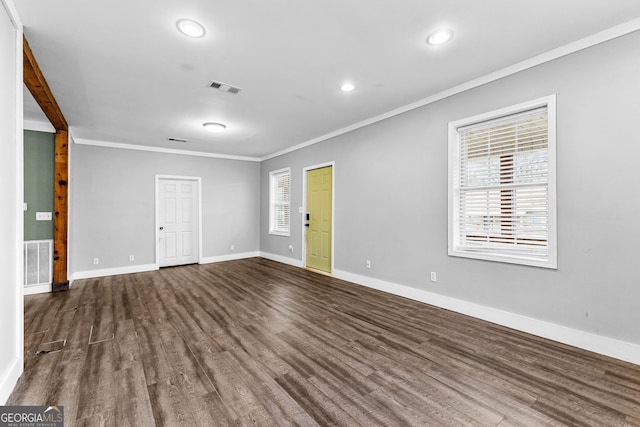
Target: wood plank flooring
254	342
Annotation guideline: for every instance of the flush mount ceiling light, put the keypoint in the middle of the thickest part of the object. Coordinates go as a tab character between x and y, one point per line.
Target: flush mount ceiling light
214	127
440	37
347	87
190	28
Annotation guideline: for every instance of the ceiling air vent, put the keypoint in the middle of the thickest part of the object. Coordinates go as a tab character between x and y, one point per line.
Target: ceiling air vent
224	87
177	139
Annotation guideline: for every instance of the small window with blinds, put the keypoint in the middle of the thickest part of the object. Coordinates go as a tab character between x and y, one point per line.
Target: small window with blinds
280	202
502	203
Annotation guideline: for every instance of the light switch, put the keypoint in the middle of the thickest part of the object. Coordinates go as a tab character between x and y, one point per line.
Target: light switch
25	207
43	216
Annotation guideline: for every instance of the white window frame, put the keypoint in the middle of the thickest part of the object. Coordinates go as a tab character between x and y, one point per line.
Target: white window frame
273	182
454	246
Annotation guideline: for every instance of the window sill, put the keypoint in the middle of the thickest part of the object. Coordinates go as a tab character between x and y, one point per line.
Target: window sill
509	259
279	233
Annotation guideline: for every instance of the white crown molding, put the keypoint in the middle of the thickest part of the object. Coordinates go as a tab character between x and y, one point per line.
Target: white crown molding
13	14
592	40
107	144
38	126
576	46
596	343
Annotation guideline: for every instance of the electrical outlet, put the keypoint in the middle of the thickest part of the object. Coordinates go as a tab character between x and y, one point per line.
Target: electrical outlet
233	247
368	263
96	261
433	276
290	248
131	258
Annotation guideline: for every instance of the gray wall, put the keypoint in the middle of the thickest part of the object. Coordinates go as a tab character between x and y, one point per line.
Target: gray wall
39	174
113	205
391	196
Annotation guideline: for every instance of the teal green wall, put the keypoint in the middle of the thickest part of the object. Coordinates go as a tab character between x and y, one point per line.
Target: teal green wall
39	162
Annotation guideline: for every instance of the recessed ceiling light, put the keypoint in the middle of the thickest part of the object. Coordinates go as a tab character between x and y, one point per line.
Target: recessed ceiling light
214	127
190	28
347	87
440	37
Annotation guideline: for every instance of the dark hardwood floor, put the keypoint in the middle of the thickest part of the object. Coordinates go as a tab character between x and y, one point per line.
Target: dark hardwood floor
256	342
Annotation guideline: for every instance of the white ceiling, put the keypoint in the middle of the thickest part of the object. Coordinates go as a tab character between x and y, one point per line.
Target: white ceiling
122	73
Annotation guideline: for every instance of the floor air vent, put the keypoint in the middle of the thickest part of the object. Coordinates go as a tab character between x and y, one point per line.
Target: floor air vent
38	262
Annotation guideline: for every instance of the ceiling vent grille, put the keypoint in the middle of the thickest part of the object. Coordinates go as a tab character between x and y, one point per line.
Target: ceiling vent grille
177	139
224	87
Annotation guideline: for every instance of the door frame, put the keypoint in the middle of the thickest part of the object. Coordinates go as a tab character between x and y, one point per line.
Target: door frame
333	209
198	181
9	375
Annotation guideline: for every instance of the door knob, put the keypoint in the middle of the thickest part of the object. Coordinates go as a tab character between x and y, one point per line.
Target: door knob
161	228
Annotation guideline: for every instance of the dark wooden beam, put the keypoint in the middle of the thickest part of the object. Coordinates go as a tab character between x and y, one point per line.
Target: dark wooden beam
37	85
60	210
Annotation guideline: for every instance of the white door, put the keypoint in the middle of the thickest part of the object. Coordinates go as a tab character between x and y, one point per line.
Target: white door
178	222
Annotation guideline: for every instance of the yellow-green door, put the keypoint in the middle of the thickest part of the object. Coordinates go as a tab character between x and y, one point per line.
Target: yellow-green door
319	220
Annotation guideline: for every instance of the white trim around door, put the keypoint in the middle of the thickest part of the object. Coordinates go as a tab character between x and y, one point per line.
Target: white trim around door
333	210
13	290
196	179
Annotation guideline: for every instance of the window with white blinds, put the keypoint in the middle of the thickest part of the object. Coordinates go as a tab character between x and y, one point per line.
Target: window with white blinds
502	185
280	202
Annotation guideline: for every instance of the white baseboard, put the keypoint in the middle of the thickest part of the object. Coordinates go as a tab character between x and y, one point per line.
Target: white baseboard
9	380
284	260
229	257
91	274
37	289
596	343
